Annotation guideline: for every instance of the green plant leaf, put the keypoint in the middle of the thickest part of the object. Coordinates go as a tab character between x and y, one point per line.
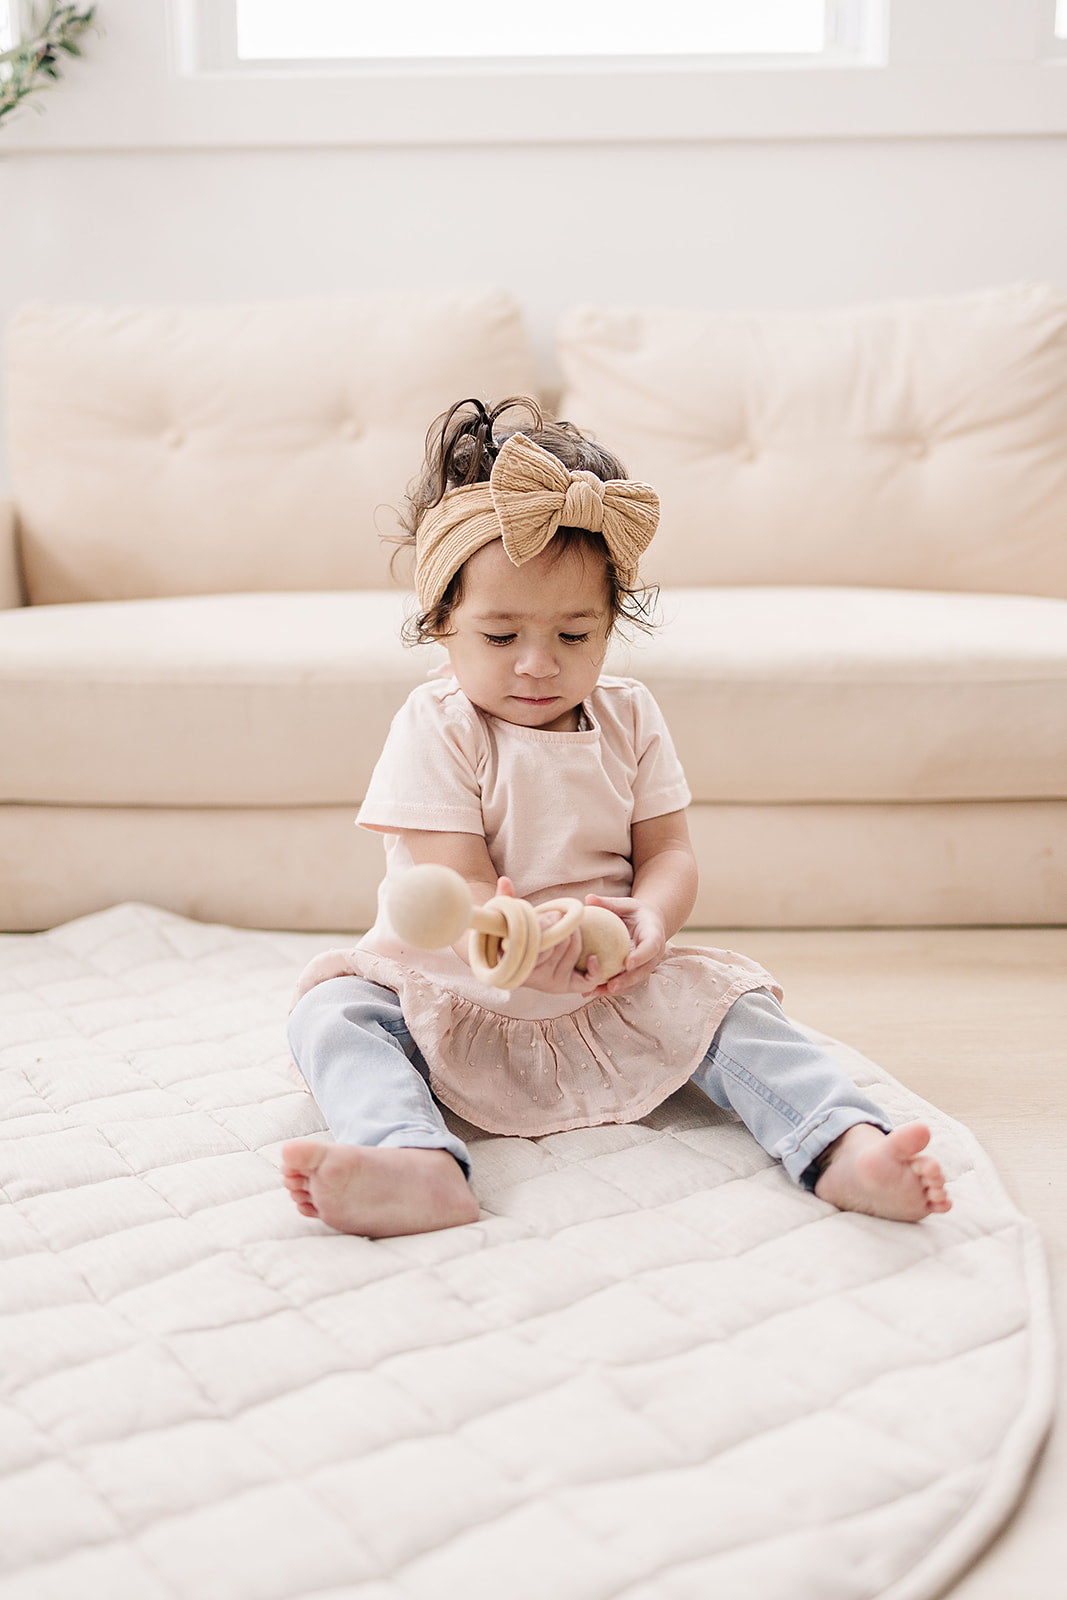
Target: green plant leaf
33	61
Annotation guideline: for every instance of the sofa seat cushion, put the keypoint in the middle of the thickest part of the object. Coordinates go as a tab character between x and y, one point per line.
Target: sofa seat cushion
250	699
861	694
773	695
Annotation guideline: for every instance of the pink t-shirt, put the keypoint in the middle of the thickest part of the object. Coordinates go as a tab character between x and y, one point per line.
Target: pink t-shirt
555	809
556	812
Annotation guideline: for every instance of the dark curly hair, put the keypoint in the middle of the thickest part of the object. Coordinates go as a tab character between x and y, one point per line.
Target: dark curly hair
461	446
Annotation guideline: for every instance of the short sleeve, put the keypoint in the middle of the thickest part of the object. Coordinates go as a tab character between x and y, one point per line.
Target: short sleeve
427	774
660	785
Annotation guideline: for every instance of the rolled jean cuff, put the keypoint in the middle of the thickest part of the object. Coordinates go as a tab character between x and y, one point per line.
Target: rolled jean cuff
799	1152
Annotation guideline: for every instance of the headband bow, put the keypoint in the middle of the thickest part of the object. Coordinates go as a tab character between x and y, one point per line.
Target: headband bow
529	496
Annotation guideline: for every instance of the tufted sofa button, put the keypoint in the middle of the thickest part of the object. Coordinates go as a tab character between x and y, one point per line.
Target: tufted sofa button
351	429
745	451
919	448
173	438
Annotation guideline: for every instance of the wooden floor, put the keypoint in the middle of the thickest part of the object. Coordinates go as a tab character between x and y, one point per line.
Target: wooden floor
974	1020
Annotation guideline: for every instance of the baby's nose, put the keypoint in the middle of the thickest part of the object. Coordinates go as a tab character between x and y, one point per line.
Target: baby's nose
537	662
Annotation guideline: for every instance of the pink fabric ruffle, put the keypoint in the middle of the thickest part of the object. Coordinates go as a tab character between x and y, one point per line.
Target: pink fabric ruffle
612	1060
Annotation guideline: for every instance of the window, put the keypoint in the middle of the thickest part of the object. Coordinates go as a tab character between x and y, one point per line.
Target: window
7	26
406	30
1059	29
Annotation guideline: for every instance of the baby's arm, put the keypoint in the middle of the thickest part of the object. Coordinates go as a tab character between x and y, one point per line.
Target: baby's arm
466	853
663	894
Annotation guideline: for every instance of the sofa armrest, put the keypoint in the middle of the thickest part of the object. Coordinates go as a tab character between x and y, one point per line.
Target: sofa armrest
10	580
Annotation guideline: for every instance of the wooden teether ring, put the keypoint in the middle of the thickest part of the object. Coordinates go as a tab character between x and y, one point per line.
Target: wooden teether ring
572	912
506	962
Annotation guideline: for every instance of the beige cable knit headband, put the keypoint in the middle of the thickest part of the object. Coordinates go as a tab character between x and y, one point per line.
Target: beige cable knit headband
529	495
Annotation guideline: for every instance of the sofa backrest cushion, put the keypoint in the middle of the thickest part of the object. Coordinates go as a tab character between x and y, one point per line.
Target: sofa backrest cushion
222	449
916	445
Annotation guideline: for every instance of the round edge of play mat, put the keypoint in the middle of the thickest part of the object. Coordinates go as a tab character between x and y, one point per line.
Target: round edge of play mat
1018	1454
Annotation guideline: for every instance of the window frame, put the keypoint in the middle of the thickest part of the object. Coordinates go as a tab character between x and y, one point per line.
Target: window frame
144	87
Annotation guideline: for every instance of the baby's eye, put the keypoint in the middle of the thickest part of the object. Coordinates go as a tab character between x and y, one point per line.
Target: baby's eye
499	638
574	638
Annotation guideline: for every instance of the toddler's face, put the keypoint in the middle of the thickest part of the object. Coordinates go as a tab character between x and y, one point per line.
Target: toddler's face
527	643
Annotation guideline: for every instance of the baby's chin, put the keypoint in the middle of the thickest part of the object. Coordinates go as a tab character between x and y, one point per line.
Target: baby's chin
553	715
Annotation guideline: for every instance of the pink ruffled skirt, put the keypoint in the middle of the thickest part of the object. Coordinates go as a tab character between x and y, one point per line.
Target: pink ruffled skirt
614	1059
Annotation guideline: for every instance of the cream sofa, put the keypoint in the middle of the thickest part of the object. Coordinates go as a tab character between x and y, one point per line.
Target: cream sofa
863	561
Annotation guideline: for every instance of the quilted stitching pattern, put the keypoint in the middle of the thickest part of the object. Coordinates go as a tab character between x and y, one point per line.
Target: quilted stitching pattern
654	1370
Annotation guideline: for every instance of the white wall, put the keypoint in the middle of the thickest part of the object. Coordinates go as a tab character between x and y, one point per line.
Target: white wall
758	223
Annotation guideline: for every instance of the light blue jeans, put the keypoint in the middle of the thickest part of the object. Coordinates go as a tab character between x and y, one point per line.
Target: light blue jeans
350	1041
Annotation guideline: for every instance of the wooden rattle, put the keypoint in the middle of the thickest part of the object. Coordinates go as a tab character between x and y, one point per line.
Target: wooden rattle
431	906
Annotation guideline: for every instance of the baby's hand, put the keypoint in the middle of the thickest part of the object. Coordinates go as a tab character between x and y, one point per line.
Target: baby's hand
330	964
648	940
555	972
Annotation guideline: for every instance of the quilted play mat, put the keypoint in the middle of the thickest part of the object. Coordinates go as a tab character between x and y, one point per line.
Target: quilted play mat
654	1370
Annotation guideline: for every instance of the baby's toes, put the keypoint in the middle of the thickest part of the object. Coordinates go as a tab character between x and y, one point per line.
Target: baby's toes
303	1202
934	1190
300	1194
928	1171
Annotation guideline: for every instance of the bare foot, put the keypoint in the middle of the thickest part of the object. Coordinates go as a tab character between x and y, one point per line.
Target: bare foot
378	1191
883	1174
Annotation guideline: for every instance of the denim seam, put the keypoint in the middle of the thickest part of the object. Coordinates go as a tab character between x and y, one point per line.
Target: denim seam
753	1083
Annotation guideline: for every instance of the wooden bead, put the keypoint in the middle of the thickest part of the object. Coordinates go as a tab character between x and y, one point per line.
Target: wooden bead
430	906
605	936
